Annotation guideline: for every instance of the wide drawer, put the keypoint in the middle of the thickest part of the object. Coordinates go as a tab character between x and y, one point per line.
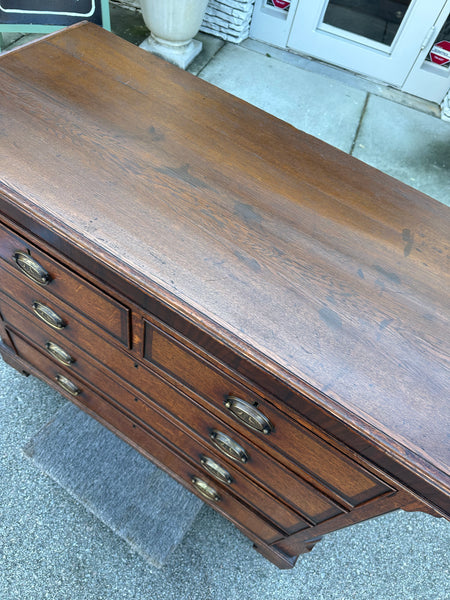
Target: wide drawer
349	481
282	484
31	266
225	502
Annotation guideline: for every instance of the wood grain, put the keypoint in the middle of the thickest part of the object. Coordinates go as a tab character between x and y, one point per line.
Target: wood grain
311	264
312	282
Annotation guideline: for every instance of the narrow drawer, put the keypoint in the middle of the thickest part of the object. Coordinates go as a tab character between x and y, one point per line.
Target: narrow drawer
183	470
51	279
198	422
324	463
27	295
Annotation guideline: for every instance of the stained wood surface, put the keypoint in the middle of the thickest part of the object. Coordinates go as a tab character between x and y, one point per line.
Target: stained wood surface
322	269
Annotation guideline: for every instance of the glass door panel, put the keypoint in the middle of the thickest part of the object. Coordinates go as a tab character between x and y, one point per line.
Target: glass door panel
377	21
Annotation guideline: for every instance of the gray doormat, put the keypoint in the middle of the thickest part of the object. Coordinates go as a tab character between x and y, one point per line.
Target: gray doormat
137	500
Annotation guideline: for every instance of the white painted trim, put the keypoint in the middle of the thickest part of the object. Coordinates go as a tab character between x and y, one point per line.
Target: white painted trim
390	67
427	80
271	25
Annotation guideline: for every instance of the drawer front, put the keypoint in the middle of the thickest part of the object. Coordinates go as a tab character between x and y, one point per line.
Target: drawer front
283	484
33	266
75	331
210	464
183	470
27	296
197	421
325	464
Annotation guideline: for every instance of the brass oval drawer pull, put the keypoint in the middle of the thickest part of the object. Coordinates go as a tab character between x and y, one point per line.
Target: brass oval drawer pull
216	470
31	268
47	315
228	446
205	490
248	414
67	385
59	353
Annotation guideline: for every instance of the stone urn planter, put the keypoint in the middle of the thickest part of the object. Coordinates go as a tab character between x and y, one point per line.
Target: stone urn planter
173	24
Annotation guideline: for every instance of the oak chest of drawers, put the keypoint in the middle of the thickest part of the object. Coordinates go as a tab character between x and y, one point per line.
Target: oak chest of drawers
261	315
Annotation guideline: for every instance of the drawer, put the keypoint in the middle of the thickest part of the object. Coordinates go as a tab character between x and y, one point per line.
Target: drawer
210	464
198	422
263	469
58	281
75	331
224	501
27	295
339	474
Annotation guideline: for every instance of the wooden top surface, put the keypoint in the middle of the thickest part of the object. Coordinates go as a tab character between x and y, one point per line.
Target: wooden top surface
329	271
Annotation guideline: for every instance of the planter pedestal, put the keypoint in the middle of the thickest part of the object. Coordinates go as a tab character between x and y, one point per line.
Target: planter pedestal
173	24
180	55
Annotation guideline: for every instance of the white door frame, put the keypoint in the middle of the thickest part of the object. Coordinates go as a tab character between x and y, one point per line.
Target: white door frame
271	25
427	80
389	64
